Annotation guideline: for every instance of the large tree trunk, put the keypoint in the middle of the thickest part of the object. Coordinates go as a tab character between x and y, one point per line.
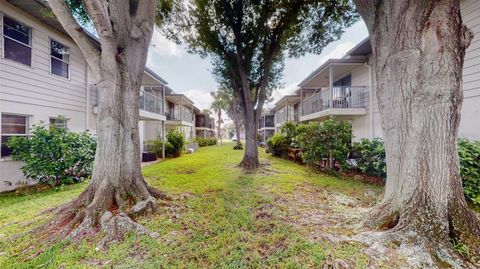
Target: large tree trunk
418	53
236	118
250	158
117	191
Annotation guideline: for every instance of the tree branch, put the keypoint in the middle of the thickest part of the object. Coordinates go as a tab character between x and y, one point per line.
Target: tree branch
77	33
98	11
368	10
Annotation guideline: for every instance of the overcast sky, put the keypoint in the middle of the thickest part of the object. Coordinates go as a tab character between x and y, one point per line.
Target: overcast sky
190	74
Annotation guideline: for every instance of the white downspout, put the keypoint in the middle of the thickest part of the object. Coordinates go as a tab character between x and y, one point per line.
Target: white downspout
370	100
87	101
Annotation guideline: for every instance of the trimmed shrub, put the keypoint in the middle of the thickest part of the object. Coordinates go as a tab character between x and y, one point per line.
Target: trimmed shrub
155	146
176	141
238	146
278	145
328	140
469	153
55	156
370	157
204	142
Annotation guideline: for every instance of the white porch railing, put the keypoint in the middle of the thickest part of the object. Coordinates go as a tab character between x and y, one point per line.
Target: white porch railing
343	97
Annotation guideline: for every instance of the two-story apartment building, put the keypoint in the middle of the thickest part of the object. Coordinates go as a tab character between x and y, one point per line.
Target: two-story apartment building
204	125
286	109
266	126
44	79
180	113
342	88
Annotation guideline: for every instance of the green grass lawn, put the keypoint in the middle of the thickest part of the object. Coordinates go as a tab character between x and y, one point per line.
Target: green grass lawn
220	217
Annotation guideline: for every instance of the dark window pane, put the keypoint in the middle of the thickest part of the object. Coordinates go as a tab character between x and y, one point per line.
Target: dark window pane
59	51
5	151
17	52
13	129
15	119
58	122
16	30
59	68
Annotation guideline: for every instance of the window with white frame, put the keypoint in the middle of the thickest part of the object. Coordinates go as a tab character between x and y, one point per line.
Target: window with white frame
59	122
59	59
17	41
12	125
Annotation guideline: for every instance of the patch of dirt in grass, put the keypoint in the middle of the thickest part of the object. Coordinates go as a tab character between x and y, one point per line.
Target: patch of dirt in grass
184	170
327	216
266	169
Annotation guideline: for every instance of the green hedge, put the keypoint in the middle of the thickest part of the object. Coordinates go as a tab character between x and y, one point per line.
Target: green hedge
328	140
55	156
469	153
371	161
204	142
370	157
173	146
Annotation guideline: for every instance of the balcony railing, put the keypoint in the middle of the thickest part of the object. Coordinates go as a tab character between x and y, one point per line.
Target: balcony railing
266	121
180	114
343	97
284	115
150	102
203	122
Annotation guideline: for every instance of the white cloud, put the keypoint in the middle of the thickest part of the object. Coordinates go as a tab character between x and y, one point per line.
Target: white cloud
161	46
279	93
338	52
201	98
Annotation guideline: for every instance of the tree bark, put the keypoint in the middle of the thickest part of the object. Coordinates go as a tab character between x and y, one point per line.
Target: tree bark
236	118
418	53
117	191
250	158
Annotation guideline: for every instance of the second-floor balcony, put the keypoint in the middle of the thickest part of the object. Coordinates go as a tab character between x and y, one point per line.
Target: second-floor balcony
266	121
342	100
180	114
201	121
286	114
150	102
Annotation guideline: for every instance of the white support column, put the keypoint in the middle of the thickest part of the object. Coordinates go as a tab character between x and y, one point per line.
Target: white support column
286	109
163	100
330	84
163	136
301	101
181	108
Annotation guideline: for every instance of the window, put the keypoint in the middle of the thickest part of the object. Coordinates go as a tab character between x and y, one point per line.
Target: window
59	122
12	125
17	40
60	56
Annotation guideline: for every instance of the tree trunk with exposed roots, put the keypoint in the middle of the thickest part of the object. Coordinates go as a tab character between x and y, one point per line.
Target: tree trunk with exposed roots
418	53
117	191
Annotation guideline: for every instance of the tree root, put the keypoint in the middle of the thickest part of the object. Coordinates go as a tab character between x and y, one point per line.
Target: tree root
116	227
423	237
103	208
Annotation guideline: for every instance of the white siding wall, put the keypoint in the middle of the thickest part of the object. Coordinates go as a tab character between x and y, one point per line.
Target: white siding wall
470	123
33	91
